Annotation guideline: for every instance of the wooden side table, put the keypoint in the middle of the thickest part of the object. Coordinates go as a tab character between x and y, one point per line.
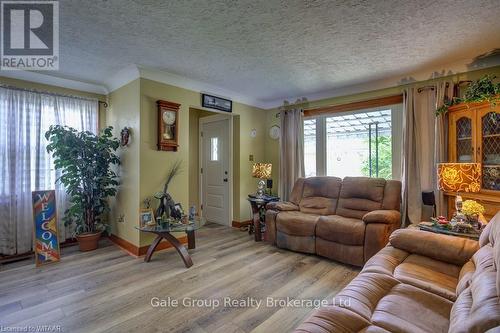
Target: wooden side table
258	205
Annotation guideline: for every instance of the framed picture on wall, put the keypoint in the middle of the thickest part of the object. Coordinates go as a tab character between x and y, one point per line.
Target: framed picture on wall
218	103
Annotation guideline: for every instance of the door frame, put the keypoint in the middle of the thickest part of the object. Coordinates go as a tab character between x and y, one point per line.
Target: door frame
205	120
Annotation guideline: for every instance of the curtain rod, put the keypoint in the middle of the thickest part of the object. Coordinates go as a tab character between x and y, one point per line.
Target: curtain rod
287	106
419	90
277	115
6	86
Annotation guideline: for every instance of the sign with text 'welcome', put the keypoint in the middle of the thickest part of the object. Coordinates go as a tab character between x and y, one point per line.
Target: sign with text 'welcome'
45	233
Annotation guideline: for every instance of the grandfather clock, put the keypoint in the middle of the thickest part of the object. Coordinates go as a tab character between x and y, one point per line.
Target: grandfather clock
168	125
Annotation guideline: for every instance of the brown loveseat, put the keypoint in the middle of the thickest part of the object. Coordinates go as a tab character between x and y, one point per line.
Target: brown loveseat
421	282
346	220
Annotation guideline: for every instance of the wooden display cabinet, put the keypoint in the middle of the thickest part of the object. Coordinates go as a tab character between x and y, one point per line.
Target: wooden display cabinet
474	137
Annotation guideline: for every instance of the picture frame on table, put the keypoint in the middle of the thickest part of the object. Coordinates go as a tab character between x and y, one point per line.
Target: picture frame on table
146	217
177	212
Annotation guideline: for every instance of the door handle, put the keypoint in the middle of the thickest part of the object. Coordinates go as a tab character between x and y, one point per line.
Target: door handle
225	180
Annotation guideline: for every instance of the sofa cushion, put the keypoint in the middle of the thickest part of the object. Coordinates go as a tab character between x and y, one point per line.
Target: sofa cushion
304	244
296	223
451	249
320	195
477	308
341	229
318	205
333	319
386	261
409	309
428	274
360	195
392	195
375	302
435	276
348	254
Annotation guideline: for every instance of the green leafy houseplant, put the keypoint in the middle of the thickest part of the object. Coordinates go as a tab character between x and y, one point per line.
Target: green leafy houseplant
85	161
478	91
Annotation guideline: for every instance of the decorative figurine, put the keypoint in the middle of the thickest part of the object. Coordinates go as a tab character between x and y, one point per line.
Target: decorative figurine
167	204
125	136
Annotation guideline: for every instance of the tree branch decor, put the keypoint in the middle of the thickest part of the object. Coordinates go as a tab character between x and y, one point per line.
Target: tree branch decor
84	160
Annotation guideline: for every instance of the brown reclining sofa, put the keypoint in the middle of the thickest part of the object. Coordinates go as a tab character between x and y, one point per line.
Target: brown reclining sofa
421	282
346	220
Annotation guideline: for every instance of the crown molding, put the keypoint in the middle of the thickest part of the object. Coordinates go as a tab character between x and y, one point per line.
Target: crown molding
429	73
55	81
122	77
198	86
133	72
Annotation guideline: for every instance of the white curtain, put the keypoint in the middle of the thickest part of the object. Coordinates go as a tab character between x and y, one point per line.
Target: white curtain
424	145
291	150
25	165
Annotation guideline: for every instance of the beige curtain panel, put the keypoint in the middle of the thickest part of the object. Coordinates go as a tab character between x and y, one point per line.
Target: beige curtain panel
424	145
291	150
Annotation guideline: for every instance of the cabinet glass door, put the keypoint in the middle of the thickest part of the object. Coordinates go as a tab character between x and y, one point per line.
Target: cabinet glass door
490	155
464	140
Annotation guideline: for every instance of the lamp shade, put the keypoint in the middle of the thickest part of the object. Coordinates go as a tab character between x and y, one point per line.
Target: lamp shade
261	170
459	177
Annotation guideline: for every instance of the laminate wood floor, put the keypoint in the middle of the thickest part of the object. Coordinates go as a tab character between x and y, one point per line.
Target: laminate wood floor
109	291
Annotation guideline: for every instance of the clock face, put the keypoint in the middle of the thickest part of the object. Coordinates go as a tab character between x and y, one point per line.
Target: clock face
169	117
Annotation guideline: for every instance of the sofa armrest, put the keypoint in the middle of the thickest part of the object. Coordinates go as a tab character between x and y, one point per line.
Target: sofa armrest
282	206
270	231
450	249
383	216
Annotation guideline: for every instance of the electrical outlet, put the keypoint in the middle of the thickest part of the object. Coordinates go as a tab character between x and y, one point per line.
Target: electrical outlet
250	158
120	218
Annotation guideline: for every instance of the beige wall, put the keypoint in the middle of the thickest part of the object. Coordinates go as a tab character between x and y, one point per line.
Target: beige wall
124	110
272	146
58	90
154	164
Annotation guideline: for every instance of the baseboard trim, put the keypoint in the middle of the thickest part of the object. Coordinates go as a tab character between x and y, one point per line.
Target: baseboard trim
135	251
239	224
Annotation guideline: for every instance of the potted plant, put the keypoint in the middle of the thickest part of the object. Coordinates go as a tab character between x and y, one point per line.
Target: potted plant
84	160
478	91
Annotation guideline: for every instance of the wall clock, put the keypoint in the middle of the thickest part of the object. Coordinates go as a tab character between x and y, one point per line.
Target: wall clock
274	132
168	125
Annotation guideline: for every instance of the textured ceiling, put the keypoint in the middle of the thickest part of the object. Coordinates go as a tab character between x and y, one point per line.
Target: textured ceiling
269	50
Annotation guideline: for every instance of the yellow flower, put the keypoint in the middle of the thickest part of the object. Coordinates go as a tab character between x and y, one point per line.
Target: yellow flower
471	207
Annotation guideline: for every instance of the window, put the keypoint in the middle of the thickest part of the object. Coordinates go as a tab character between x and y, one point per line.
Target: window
25	165
359	143
310	147
214	149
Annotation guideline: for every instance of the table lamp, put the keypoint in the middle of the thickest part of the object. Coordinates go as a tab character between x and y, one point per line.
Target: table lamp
459	177
261	171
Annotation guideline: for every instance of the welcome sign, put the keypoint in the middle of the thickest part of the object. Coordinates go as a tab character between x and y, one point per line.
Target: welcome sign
44	216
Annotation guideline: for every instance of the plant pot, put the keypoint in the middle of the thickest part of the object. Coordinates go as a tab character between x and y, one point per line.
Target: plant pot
88	241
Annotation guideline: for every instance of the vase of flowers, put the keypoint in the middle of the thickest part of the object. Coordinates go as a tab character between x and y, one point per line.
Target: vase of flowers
472	211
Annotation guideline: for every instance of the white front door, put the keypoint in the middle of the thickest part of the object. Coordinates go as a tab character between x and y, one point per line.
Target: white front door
215	173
